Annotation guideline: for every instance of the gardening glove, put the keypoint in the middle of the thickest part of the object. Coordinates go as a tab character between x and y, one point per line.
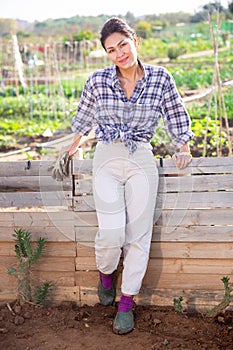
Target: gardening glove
182	159
60	169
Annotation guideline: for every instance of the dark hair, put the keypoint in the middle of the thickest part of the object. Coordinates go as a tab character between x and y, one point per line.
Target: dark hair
116	25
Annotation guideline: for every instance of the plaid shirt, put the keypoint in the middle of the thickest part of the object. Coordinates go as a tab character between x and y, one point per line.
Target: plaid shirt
104	105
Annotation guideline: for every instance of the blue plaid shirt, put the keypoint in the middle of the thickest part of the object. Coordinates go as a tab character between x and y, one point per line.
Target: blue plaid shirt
104	105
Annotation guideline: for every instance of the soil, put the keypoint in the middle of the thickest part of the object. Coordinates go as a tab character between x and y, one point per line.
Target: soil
70	327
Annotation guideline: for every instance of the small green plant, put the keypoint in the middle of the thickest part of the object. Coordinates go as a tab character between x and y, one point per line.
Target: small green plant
27	256
178	305
225	302
41	292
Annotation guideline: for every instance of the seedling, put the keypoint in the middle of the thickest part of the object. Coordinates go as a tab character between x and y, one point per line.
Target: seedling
178	305
27	256
225	302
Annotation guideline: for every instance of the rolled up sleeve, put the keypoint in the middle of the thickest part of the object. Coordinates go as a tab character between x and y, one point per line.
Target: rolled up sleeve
176	118
84	119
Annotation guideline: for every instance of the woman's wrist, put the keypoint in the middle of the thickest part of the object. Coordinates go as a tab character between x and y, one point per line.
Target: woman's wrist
185	148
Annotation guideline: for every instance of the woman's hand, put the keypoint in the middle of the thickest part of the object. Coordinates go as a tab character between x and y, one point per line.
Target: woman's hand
182	159
60	169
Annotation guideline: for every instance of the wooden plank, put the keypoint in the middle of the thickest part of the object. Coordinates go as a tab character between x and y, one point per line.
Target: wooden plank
187	281
63	222
20	168
64	293
85	263
82	186
171	217
201	165
51	249
33	184
180	200
43	264
82	166
154	296
6	262
89	296
7	282
7	296
197	166
58	278
51	234
35	199
36	217
161	280
194	217
84	250
190	266
86	278
83	203
60	249
86	235
85	219
178	250
53	264
194	183
192	234
194	250
175	266
40	167
197	183
193	300
52	225
195	200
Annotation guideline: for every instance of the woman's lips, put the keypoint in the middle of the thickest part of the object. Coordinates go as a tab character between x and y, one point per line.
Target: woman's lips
124	60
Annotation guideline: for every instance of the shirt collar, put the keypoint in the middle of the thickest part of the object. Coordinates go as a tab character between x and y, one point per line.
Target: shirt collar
115	80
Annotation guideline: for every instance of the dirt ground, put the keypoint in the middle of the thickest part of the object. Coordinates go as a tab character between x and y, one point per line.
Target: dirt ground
70	327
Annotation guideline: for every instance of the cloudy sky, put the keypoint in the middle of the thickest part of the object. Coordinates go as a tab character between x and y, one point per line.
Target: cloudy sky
40	10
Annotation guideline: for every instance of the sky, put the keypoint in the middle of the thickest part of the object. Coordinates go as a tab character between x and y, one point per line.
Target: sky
40	10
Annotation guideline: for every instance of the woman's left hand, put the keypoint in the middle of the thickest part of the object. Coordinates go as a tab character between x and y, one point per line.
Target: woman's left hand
182	159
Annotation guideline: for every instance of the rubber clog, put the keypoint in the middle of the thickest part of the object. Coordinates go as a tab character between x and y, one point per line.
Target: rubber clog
123	323
106	296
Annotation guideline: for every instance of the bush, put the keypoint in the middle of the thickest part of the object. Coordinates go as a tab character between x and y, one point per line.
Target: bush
173	52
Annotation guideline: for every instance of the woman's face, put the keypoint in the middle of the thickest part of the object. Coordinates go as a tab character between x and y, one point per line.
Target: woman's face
121	50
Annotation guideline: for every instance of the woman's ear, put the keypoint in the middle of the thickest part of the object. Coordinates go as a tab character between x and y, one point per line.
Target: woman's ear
136	41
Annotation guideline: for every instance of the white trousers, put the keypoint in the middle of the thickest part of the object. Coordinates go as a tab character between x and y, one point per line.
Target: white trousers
125	190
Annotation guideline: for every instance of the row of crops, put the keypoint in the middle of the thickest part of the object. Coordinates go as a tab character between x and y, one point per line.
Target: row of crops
42	89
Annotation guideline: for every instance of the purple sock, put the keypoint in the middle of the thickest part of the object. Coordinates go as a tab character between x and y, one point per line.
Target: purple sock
125	304
106	281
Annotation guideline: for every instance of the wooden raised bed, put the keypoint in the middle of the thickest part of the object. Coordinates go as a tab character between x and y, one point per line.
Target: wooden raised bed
192	244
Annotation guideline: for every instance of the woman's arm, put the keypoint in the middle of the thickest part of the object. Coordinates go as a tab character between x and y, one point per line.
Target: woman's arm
72	148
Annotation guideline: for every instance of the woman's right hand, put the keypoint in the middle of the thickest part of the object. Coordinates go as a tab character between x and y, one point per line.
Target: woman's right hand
60	168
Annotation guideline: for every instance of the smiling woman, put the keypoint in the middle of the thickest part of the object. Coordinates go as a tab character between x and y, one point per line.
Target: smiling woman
124	103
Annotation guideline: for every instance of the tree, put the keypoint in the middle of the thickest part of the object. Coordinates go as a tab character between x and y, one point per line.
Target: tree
83	35
214	6
144	29
7	26
230	7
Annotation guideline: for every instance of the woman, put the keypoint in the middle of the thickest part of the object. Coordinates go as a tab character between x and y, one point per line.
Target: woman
125	102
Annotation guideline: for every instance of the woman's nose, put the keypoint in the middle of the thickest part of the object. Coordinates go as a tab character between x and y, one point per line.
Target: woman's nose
119	52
